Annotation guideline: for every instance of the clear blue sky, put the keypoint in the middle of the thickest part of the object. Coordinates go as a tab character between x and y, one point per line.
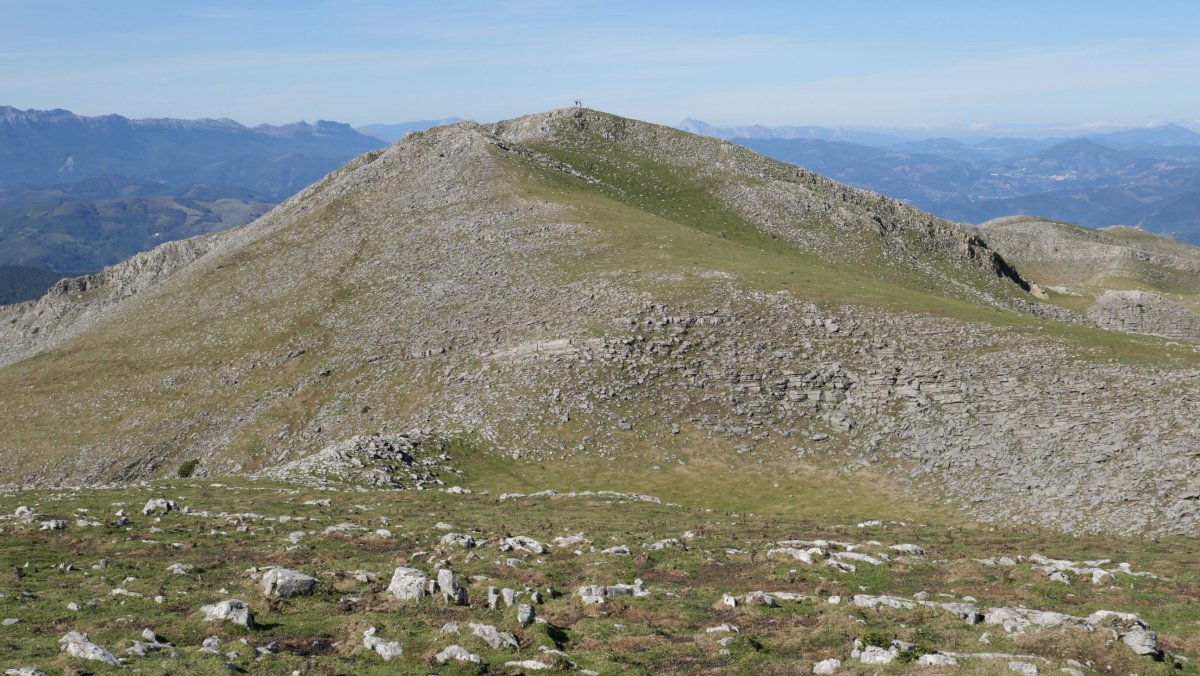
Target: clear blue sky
890	63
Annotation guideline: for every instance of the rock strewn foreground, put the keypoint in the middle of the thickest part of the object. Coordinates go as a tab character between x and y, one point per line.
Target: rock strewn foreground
407	581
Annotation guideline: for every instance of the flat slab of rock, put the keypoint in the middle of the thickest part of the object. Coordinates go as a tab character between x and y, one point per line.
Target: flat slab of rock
495	638
458	653
79	645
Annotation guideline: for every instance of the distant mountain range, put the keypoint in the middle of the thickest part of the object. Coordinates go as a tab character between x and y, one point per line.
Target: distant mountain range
757	131
394	132
1163	135
1149	178
39	147
78	193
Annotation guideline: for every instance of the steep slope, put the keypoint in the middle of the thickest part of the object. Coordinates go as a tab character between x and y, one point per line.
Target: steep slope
71	305
617	299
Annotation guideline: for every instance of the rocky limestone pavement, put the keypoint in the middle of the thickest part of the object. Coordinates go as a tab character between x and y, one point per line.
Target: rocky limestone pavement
1146	313
395	461
1127	627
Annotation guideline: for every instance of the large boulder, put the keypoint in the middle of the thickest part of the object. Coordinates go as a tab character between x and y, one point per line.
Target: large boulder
452	591
408	584
79	645
495	638
523	544
159	506
230	610
525	615
282	582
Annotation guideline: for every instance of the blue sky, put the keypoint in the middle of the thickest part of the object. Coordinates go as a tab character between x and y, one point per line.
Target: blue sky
998	65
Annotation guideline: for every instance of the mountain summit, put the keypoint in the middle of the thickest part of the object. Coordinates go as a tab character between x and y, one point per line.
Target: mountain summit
574	286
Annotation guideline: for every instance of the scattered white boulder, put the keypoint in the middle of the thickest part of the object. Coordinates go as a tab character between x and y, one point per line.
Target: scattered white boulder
457	540
830	666
79	645
808	556
229	610
524	544
908	550
458	653
760	598
388	650
876	655
528	665
495	638
159	506
285	583
408	584
570	541
525	615
596	593
859	557
452	591
1128	627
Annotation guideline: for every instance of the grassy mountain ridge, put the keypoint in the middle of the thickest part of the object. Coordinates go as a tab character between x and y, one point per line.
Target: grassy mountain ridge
585	291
